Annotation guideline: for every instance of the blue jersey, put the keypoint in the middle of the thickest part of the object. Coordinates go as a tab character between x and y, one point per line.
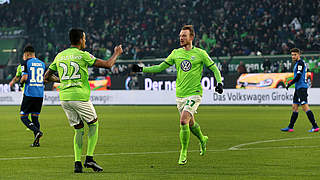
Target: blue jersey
300	68
35	69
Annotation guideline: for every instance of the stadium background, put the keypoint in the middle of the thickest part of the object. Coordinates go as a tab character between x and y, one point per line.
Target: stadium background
245	141
258	33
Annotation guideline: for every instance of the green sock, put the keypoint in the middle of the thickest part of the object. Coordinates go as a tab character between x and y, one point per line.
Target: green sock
77	143
195	129
184	137
92	138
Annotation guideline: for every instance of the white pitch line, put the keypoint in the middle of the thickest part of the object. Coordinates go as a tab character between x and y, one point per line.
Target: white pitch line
267	141
275	147
237	147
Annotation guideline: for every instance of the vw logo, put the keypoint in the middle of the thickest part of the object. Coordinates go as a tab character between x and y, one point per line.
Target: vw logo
186	65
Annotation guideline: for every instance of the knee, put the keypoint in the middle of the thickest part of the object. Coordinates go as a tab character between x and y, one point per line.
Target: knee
93	121
183	120
24	116
79	126
295	108
35	115
305	109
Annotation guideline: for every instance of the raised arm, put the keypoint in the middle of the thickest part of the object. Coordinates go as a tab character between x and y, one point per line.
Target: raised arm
300	68
212	66
24	79
14	80
50	77
156	68
111	61
152	69
216	72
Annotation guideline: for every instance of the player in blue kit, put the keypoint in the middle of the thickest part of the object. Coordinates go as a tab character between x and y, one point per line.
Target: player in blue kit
32	77
300	96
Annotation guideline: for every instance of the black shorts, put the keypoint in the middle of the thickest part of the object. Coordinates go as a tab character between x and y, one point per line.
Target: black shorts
31	105
300	96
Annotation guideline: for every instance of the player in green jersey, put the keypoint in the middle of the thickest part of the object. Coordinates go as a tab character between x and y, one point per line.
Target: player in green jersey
17	77
189	62
72	67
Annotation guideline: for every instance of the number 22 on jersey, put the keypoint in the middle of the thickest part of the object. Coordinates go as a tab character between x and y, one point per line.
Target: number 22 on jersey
66	71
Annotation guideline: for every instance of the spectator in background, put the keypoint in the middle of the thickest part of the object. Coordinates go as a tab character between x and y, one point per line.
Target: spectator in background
312	63
315	69
282	68
266	66
235	28
241	68
224	67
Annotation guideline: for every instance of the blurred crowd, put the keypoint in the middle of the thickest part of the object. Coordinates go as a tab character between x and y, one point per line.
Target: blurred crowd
149	29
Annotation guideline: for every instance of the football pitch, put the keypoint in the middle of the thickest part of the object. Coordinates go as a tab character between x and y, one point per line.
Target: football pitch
142	142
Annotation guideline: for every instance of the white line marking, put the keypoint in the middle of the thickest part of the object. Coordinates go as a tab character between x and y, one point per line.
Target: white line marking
237	147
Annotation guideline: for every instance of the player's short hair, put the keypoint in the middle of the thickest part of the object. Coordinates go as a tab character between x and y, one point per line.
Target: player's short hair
28	48
190	28
296	50
75	35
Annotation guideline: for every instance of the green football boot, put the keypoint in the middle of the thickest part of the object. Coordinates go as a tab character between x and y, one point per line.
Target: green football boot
182	158
203	145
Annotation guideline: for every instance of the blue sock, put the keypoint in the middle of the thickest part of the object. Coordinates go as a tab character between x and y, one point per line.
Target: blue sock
29	124
311	119
293	119
35	120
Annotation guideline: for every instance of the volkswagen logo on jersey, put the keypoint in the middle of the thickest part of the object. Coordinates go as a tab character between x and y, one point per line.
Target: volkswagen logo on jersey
186	65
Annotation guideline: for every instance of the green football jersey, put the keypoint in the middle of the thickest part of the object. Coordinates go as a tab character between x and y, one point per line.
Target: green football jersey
72	66
19	72
189	65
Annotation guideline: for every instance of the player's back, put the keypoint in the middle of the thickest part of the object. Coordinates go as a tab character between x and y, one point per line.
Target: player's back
35	69
72	66
300	67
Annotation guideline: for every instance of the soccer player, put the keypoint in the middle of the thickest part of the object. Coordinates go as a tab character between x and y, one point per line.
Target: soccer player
17	77
72	66
189	61
300	96
32	77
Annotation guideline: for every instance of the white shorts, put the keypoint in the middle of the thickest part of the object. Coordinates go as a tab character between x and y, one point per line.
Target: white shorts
189	104
77	111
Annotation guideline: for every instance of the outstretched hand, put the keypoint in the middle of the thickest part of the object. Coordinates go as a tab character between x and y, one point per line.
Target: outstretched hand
287	86
118	49
136	68
219	88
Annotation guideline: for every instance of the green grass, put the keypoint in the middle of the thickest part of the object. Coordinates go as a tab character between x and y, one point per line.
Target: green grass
141	142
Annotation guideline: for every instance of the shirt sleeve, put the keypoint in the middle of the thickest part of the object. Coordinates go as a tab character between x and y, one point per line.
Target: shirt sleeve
19	72
170	59
24	68
53	65
89	58
212	66
207	60
300	67
164	65
156	68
